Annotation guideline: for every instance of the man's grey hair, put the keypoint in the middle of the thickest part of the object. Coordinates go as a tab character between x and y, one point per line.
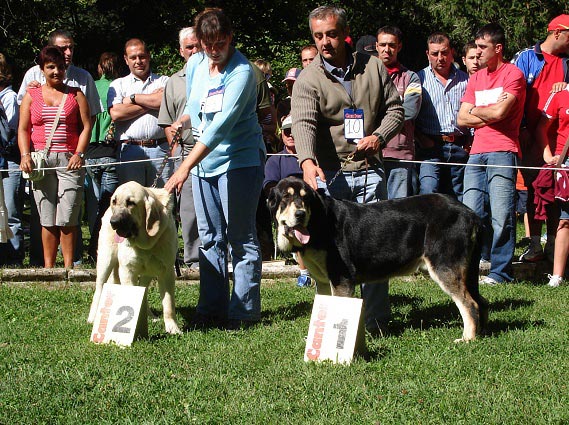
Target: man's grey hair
323	12
185	33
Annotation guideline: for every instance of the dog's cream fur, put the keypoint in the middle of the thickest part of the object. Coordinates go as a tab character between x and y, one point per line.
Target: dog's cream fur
137	242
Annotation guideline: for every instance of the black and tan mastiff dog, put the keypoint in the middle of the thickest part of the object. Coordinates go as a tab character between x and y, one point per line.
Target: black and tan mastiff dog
344	243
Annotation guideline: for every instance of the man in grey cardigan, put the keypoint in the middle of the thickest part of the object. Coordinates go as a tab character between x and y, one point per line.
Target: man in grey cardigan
345	102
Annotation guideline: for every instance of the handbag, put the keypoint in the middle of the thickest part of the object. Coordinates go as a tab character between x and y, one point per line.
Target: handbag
39	158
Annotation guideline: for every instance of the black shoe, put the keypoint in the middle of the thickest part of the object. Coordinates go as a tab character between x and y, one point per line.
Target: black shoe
204	321
238	325
379	331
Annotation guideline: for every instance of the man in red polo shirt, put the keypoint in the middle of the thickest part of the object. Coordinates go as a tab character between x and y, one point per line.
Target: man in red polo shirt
543	65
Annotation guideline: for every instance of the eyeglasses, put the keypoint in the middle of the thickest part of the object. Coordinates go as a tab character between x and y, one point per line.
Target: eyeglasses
287	132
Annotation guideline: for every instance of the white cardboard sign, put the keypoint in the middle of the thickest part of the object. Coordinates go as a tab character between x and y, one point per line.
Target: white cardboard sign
333	330
119	317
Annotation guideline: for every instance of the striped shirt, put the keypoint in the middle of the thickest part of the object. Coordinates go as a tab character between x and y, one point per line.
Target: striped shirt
440	104
66	135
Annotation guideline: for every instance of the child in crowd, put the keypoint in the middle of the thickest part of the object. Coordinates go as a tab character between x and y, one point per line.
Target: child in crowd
285	165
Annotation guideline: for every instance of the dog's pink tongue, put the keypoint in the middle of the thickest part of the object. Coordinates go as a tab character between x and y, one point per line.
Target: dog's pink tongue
302	235
118	239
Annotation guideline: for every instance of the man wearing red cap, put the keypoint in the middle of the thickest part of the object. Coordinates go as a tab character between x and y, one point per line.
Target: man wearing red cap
542	65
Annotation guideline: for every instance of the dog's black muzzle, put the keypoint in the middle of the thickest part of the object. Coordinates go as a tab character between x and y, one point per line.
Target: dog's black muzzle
123	225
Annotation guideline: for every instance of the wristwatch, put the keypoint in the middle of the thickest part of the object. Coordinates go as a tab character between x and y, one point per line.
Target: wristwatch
80	154
133	98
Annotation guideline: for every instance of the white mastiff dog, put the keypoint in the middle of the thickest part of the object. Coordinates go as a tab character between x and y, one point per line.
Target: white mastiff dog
137	242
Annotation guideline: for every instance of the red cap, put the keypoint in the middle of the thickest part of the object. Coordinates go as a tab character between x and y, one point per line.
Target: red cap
560	22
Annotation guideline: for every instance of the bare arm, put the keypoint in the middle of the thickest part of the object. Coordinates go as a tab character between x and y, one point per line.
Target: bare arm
496	112
149	100
24	131
541	138
466	118
128	110
75	162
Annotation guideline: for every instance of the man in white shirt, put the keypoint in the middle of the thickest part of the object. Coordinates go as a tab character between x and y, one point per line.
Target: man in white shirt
74	76
134	102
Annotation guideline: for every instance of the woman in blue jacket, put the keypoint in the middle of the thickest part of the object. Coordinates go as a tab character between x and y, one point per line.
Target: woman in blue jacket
227	173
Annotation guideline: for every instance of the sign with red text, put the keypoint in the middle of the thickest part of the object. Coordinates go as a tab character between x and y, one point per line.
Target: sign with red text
334	328
119	317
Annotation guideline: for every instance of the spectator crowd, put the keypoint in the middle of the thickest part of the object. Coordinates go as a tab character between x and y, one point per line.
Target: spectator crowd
478	130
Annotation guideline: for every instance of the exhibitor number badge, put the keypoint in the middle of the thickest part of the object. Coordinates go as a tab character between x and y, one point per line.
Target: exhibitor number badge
353	124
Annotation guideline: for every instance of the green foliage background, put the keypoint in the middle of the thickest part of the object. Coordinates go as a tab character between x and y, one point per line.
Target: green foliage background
273	30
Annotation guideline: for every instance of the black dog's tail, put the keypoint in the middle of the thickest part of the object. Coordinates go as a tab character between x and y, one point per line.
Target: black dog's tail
473	275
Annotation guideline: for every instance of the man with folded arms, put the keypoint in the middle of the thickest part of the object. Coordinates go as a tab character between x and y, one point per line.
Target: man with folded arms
134	102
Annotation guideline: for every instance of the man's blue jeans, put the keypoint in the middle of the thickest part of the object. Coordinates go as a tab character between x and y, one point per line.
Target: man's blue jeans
434	178
225	207
13	250
401	179
353	186
496	187
144	172
103	182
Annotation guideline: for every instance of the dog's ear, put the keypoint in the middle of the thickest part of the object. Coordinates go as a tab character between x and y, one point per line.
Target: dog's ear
163	197
154	211
321	192
273	200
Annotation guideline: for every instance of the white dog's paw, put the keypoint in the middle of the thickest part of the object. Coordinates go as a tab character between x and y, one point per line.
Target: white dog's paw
172	327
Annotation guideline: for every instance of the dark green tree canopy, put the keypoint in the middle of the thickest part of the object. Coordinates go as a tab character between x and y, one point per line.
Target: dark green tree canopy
273	30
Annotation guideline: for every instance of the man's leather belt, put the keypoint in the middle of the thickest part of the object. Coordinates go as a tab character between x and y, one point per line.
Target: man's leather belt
147	143
448	138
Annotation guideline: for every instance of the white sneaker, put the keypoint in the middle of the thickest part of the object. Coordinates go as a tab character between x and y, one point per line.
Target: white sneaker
554	280
532	254
487	280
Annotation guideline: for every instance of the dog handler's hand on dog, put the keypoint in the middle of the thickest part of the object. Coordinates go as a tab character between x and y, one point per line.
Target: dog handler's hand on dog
199	152
310	171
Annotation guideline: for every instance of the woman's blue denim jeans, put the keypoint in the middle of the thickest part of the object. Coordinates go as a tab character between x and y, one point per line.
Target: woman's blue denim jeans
225	207
496	187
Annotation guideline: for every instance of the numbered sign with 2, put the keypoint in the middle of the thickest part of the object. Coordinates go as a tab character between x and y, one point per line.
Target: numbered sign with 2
119	314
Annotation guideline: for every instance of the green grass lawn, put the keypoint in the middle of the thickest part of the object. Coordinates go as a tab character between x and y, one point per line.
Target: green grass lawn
51	373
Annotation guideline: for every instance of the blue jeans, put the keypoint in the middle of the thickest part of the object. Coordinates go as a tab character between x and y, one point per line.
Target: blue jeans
351	186
144	172
434	178
401	179
495	187
225	208
103	179
12	252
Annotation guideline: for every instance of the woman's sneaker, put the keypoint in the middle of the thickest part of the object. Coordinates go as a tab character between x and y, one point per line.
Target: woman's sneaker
554	280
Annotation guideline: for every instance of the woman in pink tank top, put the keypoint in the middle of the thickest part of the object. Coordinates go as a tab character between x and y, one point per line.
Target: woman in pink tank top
59	194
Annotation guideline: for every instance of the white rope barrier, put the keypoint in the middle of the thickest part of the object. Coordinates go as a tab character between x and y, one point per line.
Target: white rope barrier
138	161
517	167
